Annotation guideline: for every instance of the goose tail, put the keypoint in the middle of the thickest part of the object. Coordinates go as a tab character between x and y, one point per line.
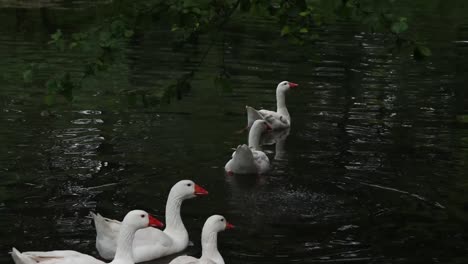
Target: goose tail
107	231
19	258
252	115
242	161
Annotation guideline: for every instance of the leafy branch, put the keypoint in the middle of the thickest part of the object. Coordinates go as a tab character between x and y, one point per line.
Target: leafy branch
300	21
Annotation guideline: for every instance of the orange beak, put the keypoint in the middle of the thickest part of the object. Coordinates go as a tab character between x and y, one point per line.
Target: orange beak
292	85
155	222
229	225
200	191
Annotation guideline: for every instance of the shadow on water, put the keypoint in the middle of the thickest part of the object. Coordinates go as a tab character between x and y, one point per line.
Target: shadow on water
373	169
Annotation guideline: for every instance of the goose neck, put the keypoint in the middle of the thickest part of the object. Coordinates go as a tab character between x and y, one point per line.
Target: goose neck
210	246
255	134
281	101
173	218
124	252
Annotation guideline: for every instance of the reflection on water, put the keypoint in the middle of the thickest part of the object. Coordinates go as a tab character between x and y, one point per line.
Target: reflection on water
372	170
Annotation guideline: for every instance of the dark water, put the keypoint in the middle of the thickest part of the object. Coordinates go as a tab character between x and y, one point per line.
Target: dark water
374	169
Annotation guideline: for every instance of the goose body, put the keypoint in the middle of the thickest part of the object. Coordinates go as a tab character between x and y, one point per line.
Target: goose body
133	221
250	159
273	137
279	119
151	243
209	240
53	257
192	260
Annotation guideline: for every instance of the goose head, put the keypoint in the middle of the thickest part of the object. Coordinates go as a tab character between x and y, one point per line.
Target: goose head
187	189
284	86
140	219
216	223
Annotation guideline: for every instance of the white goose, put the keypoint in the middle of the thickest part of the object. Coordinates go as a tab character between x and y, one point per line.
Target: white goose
279	119
250	159
209	240
151	243
133	221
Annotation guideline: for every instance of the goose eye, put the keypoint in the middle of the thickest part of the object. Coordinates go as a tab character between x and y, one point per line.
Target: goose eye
142	216
189	184
222	220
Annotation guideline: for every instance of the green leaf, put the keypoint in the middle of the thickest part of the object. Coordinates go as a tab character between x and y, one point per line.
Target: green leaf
350	4
421	52
128	33
296	41
27	76
57	40
400	26
49	99
285	30
303	30
314	37
52	86
317	19
117	27
57	35
425	51
304	13
462	118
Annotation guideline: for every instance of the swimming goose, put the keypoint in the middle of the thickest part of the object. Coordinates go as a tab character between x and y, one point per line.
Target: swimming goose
279	119
133	221
250	159
151	243
209	240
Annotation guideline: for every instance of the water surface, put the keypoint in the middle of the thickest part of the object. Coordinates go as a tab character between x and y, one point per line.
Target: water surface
373	170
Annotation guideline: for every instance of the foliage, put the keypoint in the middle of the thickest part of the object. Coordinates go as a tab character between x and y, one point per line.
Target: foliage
462	118
299	21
